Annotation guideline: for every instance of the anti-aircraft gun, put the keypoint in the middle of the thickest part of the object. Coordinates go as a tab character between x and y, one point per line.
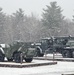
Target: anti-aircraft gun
64	45
61	44
18	51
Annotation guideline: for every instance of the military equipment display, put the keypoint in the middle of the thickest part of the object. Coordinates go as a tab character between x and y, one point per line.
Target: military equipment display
43	46
64	45
18	51
56	44
69	49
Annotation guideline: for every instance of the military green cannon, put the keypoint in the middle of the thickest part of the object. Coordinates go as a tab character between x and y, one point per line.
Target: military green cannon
18	51
44	46
65	46
56	44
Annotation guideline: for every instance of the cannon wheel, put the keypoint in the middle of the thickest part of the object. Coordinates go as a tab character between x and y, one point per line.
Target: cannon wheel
9	59
2	56
66	54
39	52
28	59
17	57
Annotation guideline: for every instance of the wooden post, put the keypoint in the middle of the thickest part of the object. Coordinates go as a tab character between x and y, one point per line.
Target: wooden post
53	55
45	55
21	57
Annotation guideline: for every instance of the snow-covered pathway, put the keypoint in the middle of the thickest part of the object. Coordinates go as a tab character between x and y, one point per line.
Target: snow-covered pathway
58	69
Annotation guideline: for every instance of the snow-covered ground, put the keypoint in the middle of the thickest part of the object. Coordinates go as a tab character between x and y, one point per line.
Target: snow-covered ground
25	63
56	55
58	69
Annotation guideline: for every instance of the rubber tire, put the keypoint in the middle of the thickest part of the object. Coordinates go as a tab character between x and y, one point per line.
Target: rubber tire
1	59
17	57
39	54
2	56
9	59
66	54
28	59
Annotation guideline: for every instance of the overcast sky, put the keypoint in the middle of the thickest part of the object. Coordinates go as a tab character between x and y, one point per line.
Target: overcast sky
36	6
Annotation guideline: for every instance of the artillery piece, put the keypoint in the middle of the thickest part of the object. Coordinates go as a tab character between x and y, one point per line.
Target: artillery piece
18	51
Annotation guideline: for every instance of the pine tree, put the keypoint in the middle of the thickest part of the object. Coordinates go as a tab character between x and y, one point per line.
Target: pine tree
17	24
2	23
52	17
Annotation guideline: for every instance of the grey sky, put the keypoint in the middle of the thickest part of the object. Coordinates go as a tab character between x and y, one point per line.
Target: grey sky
36	6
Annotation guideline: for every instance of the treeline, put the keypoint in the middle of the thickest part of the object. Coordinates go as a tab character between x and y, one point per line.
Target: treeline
19	26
